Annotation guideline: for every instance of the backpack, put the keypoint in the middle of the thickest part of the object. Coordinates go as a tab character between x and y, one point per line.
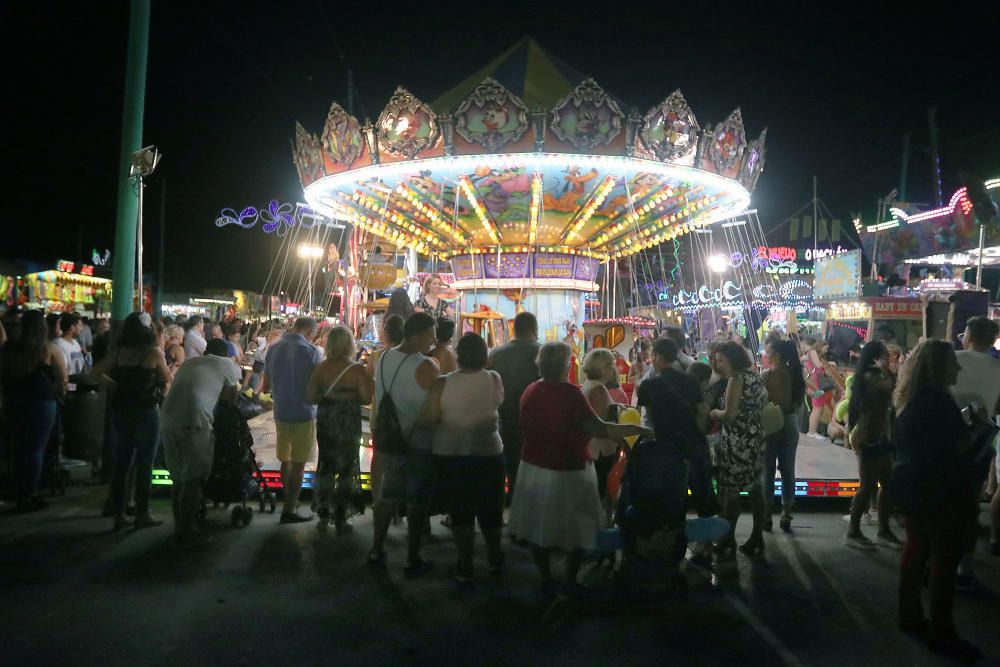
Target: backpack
387	434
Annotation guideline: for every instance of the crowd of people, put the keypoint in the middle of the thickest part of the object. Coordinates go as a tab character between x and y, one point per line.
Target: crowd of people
462	431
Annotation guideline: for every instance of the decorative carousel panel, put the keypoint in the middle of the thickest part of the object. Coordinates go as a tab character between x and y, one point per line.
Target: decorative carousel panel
670	130
342	137
754	163
491	116
308	155
587	117
583	204
406	126
727	143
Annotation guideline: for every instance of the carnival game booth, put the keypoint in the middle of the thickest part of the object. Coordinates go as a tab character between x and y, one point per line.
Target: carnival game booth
527	177
70	287
491	325
949	304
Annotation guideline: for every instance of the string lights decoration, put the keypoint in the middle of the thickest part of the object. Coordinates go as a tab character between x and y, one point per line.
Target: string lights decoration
277	218
536	206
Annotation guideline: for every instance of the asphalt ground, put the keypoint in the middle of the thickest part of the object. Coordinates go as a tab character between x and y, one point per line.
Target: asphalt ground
75	593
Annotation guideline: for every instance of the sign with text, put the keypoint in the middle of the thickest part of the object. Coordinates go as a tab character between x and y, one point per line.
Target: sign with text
897	309
838	276
550	265
467	267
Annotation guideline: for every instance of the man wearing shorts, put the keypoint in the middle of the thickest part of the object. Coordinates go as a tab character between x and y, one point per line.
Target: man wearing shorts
287	368
406	373
186	421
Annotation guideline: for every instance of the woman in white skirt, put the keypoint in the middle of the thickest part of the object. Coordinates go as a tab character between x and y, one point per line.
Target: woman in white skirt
555	504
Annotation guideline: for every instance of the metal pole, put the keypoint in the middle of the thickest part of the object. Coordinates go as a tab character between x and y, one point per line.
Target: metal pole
138	242
132	111
982	244
310	269
904	167
158	307
815	223
350	92
935	156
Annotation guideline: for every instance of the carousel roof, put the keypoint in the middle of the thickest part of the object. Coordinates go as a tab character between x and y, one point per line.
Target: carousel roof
526	154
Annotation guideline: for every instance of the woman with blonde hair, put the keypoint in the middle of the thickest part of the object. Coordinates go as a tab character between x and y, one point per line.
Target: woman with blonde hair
932	482
174	348
340	386
599	367
431	302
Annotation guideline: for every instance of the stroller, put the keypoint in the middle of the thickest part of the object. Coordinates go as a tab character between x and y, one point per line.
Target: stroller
236	475
651	513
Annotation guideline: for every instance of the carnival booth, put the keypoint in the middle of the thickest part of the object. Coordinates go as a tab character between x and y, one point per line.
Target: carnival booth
852	318
949	305
491	325
70	287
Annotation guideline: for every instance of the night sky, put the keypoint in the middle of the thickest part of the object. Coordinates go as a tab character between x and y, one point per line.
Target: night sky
226	82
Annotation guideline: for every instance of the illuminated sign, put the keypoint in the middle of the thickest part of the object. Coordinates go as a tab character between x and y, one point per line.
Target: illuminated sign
100	260
707	297
848	311
897	309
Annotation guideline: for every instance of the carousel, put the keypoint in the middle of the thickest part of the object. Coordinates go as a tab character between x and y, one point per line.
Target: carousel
523	180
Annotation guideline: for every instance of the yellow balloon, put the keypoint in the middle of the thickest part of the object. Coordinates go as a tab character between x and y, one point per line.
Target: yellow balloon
630	416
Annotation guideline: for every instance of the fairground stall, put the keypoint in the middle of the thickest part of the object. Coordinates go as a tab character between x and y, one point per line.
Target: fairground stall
70	287
526	177
853	317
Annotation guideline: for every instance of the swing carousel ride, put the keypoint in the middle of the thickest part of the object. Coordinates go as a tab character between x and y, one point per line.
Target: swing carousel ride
526	178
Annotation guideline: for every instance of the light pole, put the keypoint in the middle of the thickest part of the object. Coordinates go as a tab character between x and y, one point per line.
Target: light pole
310	252
144	162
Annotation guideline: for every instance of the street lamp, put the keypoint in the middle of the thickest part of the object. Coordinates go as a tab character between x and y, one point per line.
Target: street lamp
717	263
143	163
310	252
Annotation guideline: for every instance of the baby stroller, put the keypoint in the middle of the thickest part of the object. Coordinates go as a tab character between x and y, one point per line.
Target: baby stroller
651	514
235	473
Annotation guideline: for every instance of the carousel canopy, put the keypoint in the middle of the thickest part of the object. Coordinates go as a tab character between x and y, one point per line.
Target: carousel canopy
528	156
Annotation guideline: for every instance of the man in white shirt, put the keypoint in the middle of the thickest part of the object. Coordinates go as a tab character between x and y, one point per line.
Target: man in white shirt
186	422
86	336
69	324
194	338
979	384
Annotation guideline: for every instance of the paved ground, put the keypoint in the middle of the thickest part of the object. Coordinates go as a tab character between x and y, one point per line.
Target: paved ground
76	594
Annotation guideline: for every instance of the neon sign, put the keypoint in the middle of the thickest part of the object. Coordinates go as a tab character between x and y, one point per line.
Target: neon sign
278	218
707	297
100	260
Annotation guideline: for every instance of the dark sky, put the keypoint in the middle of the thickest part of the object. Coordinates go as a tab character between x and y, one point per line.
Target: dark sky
227	80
